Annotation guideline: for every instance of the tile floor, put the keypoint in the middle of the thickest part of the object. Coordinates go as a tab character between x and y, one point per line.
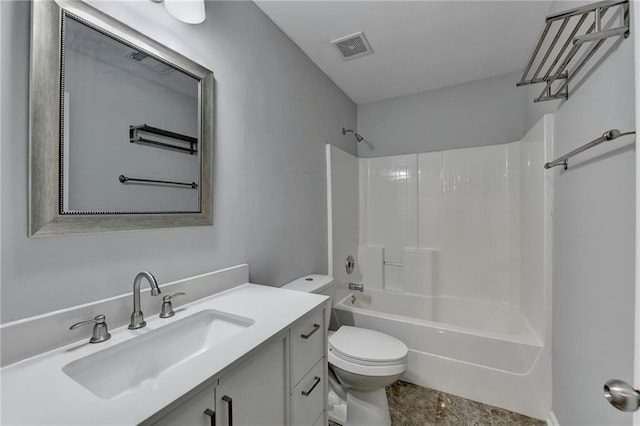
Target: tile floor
413	405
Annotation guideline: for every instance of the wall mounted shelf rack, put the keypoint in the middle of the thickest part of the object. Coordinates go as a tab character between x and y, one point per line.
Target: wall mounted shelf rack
557	75
134	137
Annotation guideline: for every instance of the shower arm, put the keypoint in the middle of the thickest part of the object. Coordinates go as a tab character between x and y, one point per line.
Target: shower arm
358	137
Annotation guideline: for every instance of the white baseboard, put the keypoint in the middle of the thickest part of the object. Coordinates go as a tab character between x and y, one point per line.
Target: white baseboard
552	420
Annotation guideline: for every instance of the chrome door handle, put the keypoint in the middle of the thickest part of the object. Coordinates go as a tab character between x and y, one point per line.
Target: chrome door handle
316	327
316	381
229	401
209	412
622	395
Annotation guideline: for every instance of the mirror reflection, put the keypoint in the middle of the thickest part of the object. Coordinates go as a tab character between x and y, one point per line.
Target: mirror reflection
130	128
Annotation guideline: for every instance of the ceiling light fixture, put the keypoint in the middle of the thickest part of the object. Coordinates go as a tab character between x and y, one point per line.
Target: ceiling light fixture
188	11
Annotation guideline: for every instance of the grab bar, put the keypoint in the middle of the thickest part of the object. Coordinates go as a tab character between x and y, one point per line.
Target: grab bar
125	179
606	136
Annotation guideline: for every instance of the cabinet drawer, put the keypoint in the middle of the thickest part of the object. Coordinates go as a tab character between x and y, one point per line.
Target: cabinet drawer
309	396
307	345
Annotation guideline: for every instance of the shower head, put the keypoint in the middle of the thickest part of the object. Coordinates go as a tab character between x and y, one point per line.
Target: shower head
357	135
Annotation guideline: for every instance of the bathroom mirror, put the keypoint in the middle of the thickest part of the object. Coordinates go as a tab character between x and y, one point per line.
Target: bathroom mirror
121	127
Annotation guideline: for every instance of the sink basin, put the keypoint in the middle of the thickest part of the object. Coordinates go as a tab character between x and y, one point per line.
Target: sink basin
115	370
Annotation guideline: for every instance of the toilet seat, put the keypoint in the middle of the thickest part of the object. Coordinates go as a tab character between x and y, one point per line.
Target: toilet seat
367	352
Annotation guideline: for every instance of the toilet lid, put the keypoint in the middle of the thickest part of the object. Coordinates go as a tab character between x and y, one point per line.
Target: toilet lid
367	345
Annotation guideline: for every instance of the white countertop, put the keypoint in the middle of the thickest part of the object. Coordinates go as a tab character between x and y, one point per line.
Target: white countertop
37	391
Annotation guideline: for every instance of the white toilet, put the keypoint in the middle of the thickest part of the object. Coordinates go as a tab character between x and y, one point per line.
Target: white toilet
361	363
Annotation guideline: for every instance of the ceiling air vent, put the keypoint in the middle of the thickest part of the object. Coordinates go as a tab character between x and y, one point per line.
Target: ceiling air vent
353	46
150	62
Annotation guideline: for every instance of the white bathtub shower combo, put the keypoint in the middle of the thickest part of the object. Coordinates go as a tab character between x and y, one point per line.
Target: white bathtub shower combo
453	249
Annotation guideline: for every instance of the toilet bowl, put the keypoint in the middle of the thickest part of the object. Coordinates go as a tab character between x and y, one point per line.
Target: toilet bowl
361	363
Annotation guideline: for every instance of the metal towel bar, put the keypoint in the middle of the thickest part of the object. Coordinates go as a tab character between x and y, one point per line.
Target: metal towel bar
606	136
125	179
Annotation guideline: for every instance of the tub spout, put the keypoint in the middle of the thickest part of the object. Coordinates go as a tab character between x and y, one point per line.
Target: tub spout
356	286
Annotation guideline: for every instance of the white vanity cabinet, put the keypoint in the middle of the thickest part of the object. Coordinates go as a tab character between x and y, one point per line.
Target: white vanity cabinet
249	355
282	383
252	393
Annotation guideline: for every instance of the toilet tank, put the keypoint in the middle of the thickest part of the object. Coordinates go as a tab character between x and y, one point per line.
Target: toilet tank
315	283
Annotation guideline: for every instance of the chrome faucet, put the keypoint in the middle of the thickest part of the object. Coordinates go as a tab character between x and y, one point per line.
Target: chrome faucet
137	318
356	286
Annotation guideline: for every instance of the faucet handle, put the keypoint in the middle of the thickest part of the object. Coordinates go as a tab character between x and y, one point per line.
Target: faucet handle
168	298
100	331
167	308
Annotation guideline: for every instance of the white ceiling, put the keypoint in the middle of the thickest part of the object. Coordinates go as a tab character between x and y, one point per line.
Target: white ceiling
418	45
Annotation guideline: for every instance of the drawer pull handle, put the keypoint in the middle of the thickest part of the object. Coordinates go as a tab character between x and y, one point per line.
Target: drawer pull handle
229	401
316	327
316	380
209	412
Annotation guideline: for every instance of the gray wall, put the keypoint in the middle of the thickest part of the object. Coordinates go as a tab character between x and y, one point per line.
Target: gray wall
593	242
484	112
275	110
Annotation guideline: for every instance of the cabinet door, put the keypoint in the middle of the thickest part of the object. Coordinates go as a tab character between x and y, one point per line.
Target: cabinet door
255	393
196	411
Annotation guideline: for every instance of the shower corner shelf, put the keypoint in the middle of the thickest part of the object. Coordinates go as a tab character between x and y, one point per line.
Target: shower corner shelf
557	75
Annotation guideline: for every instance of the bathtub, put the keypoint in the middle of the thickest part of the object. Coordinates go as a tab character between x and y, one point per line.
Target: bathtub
478	350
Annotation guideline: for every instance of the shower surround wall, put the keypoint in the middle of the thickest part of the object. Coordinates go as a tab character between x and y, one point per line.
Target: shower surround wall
448	224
